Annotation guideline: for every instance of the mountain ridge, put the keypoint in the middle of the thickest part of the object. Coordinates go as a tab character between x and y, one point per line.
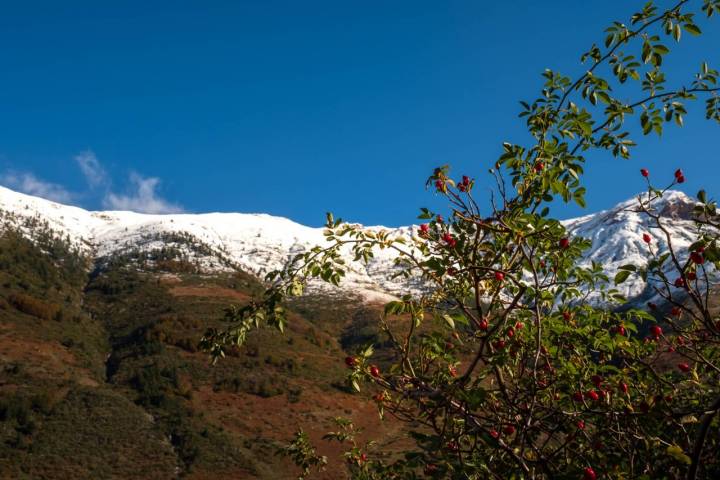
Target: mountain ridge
259	243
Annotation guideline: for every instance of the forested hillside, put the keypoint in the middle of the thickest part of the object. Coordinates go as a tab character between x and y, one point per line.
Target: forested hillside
101	377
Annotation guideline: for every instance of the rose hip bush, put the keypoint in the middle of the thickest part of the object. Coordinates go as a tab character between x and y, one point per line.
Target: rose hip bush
503	368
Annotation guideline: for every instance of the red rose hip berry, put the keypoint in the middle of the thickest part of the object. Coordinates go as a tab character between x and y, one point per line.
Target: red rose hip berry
589	474
656	331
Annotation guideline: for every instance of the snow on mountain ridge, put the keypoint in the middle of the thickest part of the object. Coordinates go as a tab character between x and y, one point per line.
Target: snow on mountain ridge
616	234
259	243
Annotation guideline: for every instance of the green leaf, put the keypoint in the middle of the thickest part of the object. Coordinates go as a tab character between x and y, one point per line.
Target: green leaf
621	276
692	29
678	454
449	320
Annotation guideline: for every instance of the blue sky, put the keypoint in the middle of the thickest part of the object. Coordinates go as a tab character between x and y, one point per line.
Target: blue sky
297	108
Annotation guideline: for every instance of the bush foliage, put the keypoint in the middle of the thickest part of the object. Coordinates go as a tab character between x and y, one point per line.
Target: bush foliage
502	368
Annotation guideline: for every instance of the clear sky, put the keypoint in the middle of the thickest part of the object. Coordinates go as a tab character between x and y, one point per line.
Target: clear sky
296	108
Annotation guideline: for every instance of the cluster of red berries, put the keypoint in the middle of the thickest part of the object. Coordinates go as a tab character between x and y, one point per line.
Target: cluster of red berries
499	344
464	186
449	240
697	256
679	177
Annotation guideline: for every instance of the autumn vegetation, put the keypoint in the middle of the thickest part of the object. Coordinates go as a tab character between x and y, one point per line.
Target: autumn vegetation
503	367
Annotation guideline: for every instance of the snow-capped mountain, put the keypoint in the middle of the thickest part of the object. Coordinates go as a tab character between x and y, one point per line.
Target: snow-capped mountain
259	243
617	236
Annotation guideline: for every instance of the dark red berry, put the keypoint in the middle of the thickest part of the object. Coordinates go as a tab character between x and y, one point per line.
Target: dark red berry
374	371
684	367
499	276
589	474
644	172
697	257
564	243
647	238
656	331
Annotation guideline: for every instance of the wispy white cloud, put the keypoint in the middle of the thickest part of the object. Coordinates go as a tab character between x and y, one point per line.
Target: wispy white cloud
26	182
142	197
95	174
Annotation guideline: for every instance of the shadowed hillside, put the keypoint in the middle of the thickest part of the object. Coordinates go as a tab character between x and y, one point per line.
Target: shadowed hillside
101	377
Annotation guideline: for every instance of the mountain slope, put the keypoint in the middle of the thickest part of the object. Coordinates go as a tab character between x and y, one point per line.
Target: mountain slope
100	376
259	243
